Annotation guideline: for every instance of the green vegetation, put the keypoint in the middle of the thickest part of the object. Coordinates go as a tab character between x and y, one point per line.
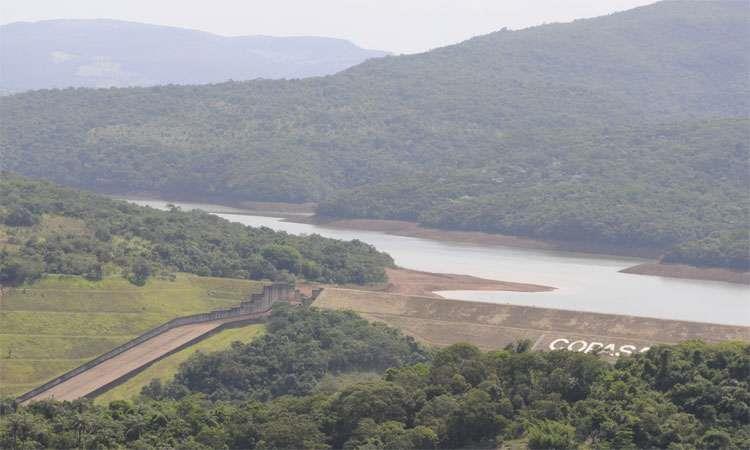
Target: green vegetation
61	322
300	348
165	369
47	229
630	129
692	395
727	249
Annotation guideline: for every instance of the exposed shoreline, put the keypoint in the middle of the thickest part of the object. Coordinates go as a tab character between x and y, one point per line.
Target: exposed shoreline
219	205
304	213
424	284
690	272
415	282
412	229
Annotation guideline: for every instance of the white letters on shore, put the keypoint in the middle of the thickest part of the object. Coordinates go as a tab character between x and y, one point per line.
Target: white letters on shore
595	347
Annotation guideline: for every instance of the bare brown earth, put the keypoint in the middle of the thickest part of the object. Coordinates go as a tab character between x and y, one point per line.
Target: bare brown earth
443	322
414	282
303	209
691	272
130	360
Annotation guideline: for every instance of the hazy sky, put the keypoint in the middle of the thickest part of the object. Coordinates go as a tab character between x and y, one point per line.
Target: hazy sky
401	26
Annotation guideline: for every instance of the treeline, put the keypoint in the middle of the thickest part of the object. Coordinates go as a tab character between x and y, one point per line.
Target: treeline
609	193
685	396
48	229
300	347
727	249
630	129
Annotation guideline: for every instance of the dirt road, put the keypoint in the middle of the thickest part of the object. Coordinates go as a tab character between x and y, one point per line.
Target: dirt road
128	361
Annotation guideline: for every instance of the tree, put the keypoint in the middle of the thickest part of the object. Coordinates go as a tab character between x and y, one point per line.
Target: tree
716	439
551	434
16	270
20	216
21	430
379	401
139	272
476	419
289	431
283	257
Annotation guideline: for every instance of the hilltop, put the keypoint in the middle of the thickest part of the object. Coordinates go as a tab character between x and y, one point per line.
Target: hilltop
629	129
104	53
46	229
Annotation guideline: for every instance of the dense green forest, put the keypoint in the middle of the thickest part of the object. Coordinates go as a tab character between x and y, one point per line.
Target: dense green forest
629	129
722	249
266	395
48	229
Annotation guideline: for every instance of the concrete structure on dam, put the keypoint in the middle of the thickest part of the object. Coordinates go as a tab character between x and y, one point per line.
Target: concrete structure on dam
118	364
489	326
434	321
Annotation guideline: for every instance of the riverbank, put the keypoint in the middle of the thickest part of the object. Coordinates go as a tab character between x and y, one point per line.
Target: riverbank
690	272
217	205
424	284
414	282
413	229
304	214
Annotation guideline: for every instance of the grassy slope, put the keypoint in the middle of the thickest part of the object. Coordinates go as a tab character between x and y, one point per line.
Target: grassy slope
167	367
61	322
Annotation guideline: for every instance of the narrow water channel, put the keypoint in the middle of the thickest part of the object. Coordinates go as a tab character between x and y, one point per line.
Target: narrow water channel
583	282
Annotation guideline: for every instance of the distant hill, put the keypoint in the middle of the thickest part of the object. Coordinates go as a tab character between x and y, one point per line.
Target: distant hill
104	53
630	129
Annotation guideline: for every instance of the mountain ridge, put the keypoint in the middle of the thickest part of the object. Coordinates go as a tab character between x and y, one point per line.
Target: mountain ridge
629	129
63	53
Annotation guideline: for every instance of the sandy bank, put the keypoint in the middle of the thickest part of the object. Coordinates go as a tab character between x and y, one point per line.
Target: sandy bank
414	282
690	272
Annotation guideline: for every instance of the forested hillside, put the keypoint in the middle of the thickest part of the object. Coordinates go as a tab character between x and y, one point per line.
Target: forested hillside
48	229
630	129
691	395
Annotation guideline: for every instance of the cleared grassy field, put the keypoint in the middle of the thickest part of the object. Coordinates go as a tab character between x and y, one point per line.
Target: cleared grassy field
165	369
62	321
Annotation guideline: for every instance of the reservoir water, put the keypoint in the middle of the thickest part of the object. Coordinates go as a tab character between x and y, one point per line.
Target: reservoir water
583	282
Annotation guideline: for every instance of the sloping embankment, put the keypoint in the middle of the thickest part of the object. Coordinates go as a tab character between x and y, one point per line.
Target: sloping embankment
132	360
107	369
492	326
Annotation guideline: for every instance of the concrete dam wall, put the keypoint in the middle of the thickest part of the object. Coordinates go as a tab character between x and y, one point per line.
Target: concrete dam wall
109	368
489	326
